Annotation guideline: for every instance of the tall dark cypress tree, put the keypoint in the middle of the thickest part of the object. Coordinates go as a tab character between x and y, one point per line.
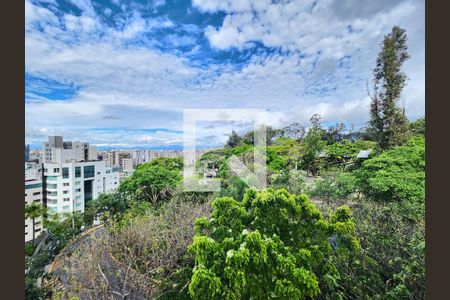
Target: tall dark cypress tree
388	124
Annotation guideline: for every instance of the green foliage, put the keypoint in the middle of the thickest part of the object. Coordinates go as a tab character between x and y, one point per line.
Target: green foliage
32	292
397	174
233	187
270	245
335	188
63	227
233	139
417	127
293	181
313	145
154	180
29	249
270	133
34	211
393	243
334	134
275	162
344	153
106	206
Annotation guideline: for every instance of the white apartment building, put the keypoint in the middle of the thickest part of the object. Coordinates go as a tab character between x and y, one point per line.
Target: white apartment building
128	165
73	175
70	186
56	150
92	152
33	193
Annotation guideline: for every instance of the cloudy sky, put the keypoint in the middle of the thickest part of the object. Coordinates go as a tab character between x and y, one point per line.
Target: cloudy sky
119	73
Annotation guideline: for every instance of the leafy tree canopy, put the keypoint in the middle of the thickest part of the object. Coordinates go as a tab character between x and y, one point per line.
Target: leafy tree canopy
270	245
396	174
153	180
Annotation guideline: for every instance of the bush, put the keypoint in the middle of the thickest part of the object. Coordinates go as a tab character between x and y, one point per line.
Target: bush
153	181
394	244
336	188
293	181
397	174
272	244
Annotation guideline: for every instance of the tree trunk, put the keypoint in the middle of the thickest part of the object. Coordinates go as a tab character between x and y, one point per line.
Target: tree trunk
154	198
34	243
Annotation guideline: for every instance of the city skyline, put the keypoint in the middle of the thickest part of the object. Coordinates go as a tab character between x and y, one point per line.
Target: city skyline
120	73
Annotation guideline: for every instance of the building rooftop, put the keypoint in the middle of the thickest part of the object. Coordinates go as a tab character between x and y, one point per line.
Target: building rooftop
364	153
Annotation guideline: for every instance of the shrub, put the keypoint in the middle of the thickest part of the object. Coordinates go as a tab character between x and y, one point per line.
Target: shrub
336	188
396	174
272	244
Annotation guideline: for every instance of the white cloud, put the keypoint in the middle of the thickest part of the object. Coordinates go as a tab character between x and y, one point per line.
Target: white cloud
130	86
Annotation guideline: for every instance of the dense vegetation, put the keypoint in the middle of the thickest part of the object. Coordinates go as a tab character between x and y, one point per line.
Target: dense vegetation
329	225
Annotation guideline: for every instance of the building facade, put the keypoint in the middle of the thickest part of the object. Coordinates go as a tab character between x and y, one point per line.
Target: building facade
56	150
70	186
128	164
73	176
33	194
27	152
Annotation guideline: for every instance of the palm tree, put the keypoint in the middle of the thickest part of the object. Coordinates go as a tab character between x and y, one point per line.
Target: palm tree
33	211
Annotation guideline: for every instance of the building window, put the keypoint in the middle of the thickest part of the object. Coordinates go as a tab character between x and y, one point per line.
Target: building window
66	207
66	199
89	171
77	172
55	170
52	193
32	186
77	182
52	186
78	190
52	178
65	192
65	173
52	201
65	184
36	193
77	197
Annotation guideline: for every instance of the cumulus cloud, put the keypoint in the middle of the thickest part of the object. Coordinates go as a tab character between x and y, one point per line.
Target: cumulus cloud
305	57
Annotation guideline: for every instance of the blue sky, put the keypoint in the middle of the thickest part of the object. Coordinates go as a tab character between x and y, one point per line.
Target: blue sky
119	73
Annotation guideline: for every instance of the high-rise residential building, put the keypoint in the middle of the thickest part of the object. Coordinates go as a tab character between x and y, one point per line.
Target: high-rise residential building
73	175
118	157
33	194
27	152
108	157
92	154
55	150
128	165
70	186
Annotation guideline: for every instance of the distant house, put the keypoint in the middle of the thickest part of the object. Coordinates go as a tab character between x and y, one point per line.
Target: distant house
364	154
